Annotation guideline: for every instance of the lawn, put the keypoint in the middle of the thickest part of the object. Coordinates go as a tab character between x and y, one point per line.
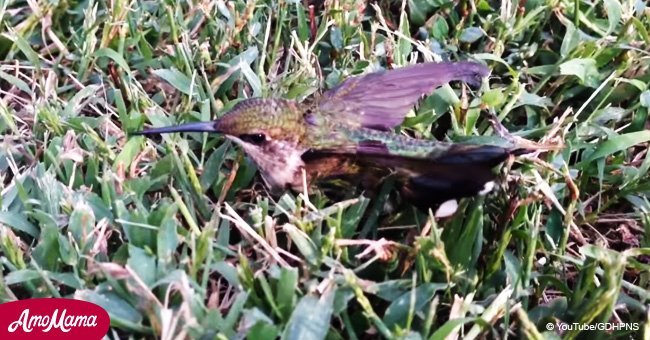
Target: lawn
177	237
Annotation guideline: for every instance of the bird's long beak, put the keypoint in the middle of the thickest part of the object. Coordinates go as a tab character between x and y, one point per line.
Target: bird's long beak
189	127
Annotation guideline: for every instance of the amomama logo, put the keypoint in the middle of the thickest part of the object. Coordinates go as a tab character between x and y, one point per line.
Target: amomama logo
52	319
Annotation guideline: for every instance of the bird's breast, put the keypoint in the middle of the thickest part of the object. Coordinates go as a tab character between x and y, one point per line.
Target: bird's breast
279	163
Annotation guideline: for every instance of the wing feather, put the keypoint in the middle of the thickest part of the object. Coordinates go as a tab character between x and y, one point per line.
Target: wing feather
461	171
382	99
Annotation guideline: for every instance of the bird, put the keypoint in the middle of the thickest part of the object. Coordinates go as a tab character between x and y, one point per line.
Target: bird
348	133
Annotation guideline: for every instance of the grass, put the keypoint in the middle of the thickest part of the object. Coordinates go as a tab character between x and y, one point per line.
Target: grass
176	238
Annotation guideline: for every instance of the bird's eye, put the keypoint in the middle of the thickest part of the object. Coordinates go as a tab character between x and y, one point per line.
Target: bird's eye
309	117
254	138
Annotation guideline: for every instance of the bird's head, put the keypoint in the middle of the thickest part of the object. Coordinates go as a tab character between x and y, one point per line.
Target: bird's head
270	131
252	121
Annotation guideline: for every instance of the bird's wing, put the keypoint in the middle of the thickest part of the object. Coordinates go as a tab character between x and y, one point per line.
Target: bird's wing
448	172
382	99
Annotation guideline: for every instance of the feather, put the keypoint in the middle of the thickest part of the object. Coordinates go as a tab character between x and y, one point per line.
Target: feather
381	100
425	181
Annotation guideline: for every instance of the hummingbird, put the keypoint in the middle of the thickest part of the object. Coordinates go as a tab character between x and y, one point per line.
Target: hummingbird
348	133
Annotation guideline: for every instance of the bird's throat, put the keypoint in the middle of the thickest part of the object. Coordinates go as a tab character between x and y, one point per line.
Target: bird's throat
279	162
